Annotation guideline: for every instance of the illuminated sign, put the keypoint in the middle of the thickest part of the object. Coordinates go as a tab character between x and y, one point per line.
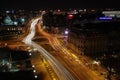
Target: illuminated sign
105	18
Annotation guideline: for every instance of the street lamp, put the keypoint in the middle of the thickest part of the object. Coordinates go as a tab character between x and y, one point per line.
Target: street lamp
33	66
36	76
30	54
66	32
66	36
34	71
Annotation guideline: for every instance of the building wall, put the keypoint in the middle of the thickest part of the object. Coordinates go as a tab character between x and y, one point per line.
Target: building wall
87	44
11	30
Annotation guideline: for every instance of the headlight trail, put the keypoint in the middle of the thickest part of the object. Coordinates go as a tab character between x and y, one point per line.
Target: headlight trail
62	72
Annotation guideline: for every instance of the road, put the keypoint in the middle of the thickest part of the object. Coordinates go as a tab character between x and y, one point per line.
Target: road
78	71
70	61
61	72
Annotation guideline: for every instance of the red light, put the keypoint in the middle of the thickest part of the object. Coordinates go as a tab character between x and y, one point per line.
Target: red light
70	16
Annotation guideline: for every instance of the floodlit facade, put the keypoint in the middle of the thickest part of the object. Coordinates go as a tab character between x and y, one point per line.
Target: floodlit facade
112	13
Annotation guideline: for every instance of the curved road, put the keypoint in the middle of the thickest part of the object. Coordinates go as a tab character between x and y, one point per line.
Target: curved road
74	65
62	73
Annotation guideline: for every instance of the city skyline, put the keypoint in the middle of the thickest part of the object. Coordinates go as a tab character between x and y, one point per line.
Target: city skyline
55	4
71	44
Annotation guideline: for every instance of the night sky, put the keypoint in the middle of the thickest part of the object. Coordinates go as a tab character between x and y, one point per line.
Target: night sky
55	4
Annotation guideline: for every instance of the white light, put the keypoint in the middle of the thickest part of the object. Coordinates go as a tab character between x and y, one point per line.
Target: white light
35	49
7	11
33	66
30	54
96	62
8	29
22	19
15	23
34	71
36	76
29	50
66	32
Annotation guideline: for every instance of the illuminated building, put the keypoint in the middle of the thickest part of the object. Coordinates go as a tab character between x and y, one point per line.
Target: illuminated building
112	13
11	30
8	21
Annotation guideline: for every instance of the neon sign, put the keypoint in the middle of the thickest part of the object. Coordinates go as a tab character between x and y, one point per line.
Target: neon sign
105	18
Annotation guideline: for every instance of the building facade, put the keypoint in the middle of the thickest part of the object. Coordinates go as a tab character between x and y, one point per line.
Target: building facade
94	38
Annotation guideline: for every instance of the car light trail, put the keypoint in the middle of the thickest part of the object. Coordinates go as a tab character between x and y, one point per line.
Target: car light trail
62	73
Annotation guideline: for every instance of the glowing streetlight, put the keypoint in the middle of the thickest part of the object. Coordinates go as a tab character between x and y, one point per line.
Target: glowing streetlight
30	54
66	32
34	71
15	23
36	76
33	66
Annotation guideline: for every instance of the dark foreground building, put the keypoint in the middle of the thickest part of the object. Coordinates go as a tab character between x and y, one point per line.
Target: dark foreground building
15	65
95	38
